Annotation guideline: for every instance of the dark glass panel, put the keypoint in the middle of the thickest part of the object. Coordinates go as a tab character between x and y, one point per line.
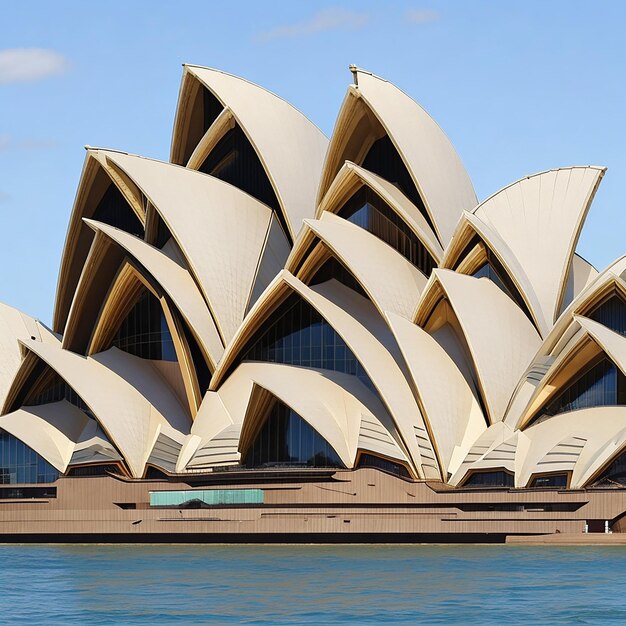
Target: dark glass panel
212	107
155	473
56	390
332	268
612	314
552	480
286	440
305	256
490	479
27	493
163	234
531	507
20	464
298	335
376	462
615	473
383	159
235	161
487	271
96	469
200	365
601	385
32	379
115	211
369	211
494	271
145	333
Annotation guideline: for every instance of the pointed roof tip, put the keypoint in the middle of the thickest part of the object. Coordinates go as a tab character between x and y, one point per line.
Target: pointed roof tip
93	224
192	66
356	70
602	169
89	148
355	76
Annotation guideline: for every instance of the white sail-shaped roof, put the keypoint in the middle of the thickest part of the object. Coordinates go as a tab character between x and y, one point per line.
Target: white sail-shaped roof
126	394
221	230
540	218
614	344
351	175
290	147
361	327
448	403
391	281
430	158
501	339
51	430
177	283
15	326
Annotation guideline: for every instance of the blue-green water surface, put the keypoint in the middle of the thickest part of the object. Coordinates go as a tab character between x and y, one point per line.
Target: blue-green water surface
312	585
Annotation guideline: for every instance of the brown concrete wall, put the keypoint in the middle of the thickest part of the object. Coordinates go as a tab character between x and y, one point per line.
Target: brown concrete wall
347	504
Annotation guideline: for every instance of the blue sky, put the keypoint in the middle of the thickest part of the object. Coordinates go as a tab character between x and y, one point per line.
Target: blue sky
518	87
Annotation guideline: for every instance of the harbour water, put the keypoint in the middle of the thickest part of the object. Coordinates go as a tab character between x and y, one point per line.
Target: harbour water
312	585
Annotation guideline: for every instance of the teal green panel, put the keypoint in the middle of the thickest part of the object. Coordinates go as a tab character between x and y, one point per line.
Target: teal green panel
207	496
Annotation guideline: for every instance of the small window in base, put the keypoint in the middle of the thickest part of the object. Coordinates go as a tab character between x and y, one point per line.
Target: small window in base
27	493
552	480
490	479
376	462
203	498
93	470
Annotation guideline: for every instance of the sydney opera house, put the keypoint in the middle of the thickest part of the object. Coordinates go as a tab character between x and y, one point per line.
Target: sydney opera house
275	336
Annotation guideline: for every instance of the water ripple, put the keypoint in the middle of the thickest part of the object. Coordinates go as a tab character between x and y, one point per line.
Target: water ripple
261	585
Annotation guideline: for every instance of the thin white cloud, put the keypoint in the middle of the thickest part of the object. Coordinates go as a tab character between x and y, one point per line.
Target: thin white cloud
421	16
8	143
329	19
20	65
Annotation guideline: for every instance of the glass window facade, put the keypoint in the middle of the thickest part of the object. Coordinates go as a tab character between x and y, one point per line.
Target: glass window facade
494	271
163	234
201	368
376	462
369	211
615	473
115	211
27	493
383	159
285	439
212	107
551	480
145	333
332	268
96	469
601	385
487	271
298	335
490	479
235	161
56	390
20	464
611	313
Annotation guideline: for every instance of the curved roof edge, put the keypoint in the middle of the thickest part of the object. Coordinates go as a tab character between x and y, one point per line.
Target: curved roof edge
437	171
270	124
541	218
